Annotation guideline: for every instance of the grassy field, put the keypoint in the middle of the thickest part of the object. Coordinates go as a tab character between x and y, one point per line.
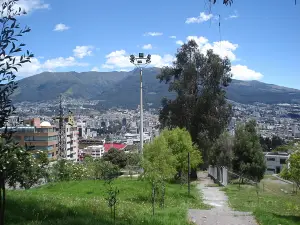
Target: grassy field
275	204
83	203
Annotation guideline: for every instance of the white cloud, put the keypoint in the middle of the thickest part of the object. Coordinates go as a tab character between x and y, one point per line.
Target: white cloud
159	61
153	34
61	62
233	16
203	17
95	69
29	69
199	40
119	60
61	27
31	5
179	42
222	48
148	46
241	72
82	51
173	37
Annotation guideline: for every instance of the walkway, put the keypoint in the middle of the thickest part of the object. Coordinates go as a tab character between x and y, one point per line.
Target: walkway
221	213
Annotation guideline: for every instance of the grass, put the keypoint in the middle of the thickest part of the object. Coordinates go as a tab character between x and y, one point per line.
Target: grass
83	203
275	205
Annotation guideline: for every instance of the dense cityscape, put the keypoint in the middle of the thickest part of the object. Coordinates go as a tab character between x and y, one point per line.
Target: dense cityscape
109	116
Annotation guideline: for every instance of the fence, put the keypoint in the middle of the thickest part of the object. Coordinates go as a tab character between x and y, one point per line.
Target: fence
224	176
218	174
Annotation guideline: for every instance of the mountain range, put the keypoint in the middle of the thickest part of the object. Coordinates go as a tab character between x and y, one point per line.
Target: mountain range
122	89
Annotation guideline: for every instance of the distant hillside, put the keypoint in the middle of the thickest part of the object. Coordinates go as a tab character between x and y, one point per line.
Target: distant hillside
47	86
122	89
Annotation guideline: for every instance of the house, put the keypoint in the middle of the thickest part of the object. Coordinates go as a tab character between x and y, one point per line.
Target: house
275	161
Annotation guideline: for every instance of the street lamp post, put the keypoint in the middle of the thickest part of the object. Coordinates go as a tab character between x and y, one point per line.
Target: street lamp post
141	62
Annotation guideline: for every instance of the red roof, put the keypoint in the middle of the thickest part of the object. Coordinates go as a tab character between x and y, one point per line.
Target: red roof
118	146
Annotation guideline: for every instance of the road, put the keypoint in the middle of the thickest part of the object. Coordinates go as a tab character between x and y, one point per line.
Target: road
221	213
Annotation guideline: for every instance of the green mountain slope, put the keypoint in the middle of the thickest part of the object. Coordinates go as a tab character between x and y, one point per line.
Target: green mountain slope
123	89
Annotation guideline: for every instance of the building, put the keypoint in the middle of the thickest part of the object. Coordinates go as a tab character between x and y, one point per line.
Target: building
36	136
275	161
71	137
96	151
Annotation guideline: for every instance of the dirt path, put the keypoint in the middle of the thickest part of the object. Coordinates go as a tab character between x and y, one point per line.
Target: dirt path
221	213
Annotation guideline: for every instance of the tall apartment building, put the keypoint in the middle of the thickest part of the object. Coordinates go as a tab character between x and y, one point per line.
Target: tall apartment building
71	137
36	136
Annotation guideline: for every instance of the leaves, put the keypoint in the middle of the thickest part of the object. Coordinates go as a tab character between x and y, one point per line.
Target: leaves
200	106
248	155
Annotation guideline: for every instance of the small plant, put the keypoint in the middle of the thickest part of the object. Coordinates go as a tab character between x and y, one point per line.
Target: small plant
112	193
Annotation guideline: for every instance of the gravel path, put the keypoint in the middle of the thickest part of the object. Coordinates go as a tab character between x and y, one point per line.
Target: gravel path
221	213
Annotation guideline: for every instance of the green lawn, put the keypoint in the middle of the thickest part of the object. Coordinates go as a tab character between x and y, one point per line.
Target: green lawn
83	203
273	207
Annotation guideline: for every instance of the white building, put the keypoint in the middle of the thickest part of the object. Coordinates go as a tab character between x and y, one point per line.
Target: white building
72	142
275	161
71	137
96	151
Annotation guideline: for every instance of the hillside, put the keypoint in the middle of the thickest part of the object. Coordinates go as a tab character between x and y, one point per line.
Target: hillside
122	88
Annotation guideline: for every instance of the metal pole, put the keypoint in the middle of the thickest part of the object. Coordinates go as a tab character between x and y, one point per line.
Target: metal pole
189	172
141	113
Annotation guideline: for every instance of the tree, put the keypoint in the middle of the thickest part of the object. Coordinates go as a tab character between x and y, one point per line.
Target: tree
105	170
180	143
116	157
10	60
225	2
31	169
159	166
248	160
229	2
133	162
200	105
294	168
221	152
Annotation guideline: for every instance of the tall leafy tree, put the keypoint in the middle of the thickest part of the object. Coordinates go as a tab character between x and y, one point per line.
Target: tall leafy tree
200	105
221	152
248	160
11	58
180	143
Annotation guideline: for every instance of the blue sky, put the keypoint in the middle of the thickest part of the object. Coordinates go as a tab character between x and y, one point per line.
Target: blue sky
262	38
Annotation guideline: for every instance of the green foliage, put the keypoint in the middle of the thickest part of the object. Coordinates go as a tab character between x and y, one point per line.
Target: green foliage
159	163
105	170
11	59
116	157
202	110
20	167
275	143
84	203
64	170
133	163
221	152
159	166
285	173
274	206
294	169
248	156
180	143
